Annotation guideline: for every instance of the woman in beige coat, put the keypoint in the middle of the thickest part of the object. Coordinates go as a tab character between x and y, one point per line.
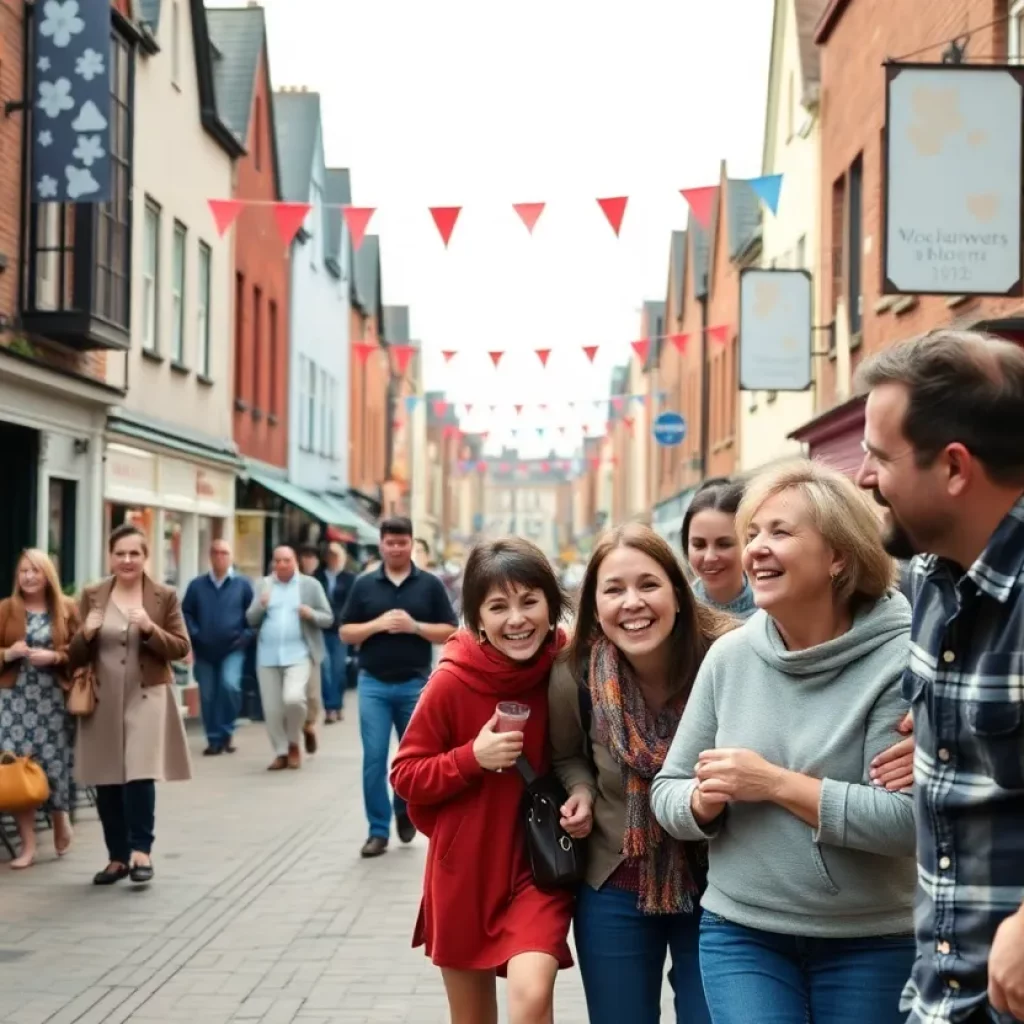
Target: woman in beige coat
132	631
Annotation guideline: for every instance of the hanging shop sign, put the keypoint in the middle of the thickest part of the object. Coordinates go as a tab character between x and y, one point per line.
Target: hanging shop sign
775	330
953	180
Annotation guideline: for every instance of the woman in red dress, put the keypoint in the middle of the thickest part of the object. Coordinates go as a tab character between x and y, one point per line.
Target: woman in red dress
481	914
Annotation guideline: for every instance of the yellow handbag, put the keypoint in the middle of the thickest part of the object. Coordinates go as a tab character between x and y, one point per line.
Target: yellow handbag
23	784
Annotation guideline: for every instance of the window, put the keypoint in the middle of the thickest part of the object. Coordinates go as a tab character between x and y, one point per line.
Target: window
257	350
303	404
332	425
203	308
178	295
61	528
176	43
311	406
325	402
239	338
151	277
856	238
50	218
1015	36
272	406
838	239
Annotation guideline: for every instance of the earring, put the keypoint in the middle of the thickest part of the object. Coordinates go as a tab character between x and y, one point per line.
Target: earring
482	639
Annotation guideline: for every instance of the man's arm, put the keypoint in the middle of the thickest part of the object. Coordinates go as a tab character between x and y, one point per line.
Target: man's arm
355	630
446	621
189	611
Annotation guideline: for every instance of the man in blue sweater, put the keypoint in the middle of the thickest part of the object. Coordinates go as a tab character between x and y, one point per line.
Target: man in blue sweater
214	609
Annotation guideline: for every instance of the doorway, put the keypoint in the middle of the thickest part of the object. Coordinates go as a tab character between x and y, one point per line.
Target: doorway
19	469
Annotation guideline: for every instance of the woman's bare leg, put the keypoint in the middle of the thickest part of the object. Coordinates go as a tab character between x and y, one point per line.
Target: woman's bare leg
26	822
62	832
531	988
471	996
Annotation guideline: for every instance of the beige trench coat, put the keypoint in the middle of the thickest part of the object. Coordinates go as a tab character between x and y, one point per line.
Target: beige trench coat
136	731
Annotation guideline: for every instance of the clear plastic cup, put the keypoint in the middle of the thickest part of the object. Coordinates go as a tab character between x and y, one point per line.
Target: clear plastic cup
511	716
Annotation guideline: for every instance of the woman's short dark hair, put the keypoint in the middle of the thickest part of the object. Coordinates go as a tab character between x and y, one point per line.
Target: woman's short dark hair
507	563
718	495
126	530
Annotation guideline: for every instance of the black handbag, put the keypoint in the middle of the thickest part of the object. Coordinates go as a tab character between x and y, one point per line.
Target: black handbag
556	859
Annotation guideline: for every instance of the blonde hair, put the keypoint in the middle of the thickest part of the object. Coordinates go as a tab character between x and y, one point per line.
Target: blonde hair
841	514
56	603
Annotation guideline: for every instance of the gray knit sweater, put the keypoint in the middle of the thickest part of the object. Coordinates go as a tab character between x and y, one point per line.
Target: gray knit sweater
824	712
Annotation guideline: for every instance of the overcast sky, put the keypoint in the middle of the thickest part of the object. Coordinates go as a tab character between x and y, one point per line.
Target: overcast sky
485	104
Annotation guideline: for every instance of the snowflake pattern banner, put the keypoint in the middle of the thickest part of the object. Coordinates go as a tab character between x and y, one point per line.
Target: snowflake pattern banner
71	102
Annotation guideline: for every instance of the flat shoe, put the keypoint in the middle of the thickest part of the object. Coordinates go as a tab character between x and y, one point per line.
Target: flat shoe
141	873
110	875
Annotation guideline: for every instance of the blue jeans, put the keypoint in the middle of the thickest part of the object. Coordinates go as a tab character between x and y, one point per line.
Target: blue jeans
381	706
220	695
622	959
786	979
332	671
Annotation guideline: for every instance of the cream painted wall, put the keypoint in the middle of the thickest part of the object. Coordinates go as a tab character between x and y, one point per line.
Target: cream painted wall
179	166
638	496
764	424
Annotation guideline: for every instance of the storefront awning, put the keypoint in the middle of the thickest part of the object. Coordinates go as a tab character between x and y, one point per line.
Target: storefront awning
350	520
319	507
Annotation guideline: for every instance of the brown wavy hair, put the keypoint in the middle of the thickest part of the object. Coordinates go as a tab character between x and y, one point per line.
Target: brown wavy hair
696	627
56	603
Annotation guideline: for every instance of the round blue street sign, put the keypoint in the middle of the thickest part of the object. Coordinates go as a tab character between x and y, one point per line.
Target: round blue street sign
670	429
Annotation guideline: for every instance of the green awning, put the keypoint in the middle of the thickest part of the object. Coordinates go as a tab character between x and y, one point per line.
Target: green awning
320	508
349	519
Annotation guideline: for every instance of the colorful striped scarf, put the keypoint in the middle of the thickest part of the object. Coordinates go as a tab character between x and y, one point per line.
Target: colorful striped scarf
639	741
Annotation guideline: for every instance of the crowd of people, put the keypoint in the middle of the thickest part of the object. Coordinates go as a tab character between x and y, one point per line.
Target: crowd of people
791	763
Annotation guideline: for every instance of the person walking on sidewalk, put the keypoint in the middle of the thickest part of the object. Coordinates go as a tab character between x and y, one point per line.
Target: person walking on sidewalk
290	611
944	457
337	583
214	609
395	615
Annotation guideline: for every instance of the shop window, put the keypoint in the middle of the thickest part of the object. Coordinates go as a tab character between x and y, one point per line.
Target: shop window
174	526
210	529
63	501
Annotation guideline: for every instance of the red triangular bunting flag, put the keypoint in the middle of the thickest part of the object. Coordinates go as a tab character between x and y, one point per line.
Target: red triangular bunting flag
396	424
289	217
481	466
505	467
591	351
484	434
629	421
542	355
702	203
440	407
518	409
617	403
403	356
496	357
614	210
642	349
679	340
449	354
586	429
362	350
225	213
719	333
595	461
469	408
358	219
545	467
445	218
529	213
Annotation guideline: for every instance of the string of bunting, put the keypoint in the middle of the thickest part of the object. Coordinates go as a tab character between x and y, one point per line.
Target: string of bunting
289	216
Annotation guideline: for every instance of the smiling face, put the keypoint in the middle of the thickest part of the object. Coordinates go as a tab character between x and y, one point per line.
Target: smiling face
516	621
636	605
714	553
788	562
128	558
31	578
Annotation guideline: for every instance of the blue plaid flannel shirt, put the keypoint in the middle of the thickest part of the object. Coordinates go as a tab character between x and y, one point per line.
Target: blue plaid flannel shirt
965	680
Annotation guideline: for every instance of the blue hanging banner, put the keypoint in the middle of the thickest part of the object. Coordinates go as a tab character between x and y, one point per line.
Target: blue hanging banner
410	403
71	104
767	189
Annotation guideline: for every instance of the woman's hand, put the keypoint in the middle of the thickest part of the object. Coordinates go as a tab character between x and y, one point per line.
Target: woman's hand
894	768
41	657
19	649
495	751
707	806
93	623
138	618
737	774
578	813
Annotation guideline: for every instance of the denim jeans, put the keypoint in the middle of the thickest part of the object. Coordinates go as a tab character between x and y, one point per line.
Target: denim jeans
787	979
332	671
381	707
127	814
622	951
220	695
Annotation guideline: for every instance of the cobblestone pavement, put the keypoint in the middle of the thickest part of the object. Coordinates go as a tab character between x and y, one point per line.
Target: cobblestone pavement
261	910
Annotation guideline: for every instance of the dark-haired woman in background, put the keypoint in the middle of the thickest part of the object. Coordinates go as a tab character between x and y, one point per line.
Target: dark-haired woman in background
713	551
481	914
132	630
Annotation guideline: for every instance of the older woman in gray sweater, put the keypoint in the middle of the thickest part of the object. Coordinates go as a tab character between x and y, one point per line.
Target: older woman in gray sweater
808	910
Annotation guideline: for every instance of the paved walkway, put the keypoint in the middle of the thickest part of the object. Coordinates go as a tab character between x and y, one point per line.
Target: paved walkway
261	911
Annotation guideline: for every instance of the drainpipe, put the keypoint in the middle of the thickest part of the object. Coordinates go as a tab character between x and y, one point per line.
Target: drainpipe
705	384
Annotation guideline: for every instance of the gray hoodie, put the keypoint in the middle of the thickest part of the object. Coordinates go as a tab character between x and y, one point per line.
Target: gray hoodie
824	712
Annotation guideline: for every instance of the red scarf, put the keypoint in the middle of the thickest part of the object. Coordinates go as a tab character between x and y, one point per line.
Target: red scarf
483	668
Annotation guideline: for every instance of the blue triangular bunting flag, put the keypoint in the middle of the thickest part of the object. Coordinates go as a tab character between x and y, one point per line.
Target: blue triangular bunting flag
767	189
410	402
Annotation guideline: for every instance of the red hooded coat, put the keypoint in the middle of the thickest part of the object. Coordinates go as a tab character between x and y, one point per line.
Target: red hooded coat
480	907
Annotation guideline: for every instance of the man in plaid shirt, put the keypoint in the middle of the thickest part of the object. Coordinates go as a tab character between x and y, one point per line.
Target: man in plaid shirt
944	456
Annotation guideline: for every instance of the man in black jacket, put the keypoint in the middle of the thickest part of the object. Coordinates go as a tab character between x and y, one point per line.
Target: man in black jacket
337	583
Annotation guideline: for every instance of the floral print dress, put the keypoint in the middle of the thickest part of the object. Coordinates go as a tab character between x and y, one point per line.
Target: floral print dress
33	722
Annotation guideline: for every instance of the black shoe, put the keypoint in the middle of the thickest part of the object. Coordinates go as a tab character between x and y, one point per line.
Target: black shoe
229	747
374	847
213	751
110	875
141	873
406	829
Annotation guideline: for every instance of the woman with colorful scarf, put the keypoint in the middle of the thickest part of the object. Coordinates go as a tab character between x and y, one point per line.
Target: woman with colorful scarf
482	916
615	702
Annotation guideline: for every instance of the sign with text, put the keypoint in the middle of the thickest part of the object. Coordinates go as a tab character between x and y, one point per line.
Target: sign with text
670	429
953	180
775	330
